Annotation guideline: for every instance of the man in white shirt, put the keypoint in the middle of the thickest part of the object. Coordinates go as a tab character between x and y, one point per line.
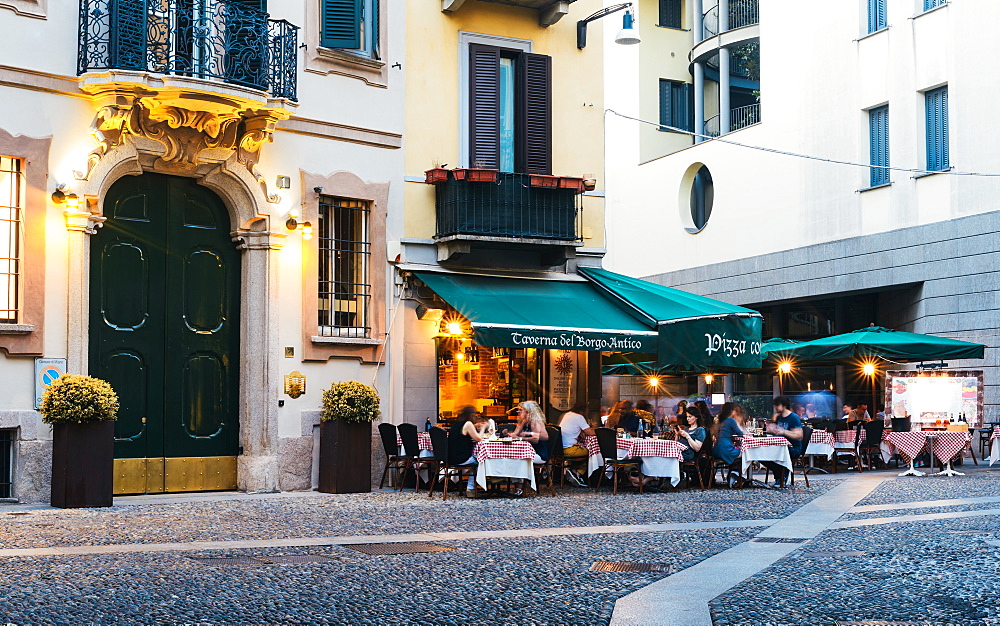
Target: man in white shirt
574	428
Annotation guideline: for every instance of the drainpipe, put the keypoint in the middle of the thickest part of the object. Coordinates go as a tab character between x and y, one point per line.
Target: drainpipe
698	29
724	60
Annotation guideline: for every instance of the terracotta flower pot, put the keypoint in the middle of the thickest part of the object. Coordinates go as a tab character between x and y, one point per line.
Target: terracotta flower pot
436	176
541	180
475	175
571	182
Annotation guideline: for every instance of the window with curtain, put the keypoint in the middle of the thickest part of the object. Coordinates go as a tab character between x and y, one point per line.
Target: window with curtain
11	206
876	15
878	140
936	104
510	110
671	12
344	264
676	110
351	25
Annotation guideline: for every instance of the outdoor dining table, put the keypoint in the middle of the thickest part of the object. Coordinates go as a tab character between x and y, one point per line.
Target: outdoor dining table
995	446
943	444
504	459
756	449
845	441
660	458
821	443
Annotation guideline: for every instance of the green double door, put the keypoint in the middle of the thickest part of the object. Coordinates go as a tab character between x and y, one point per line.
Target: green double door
164	331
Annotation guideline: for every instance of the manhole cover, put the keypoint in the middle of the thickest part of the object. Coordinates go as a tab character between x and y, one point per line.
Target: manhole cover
236	560
778	540
293	559
19	513
829	554
406	547
632	567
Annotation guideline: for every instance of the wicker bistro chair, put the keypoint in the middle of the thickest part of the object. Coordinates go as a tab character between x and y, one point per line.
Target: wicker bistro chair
411	454
871	447
442	444
556	460
393	459
607	440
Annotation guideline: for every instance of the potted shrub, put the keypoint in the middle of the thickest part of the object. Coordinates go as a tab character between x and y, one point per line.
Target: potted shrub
345	437
82	411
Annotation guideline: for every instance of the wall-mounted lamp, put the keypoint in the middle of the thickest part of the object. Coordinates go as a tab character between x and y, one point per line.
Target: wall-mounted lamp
709	379
305	227
427	313
627	36
63	196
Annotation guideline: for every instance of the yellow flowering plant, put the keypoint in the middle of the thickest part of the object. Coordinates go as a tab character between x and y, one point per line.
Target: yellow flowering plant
350	401
73	398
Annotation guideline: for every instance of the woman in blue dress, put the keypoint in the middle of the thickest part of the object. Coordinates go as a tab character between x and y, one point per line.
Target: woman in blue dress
728	424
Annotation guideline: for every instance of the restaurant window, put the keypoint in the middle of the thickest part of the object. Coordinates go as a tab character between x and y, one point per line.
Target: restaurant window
936	103
670	13
344	266
351	25
676	105
510	110
11	239
876	15
878	139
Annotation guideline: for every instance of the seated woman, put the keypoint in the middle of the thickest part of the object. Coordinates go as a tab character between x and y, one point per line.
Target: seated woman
469	428
728	424
531	428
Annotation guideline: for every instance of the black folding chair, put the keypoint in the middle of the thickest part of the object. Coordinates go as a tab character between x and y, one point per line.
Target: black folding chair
607	440
411	454
443	445
556	460
871	444
393	460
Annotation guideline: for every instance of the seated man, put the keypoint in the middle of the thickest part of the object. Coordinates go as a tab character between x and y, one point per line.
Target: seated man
574	427
786	424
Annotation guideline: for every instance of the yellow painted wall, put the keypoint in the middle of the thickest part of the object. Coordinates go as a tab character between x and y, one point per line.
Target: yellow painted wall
663	54
431	134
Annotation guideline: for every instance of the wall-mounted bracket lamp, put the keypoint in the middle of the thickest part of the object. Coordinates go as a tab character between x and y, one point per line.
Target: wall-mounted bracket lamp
63	196
627	36
305	227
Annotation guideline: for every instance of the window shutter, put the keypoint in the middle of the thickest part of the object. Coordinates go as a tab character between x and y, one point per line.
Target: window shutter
376	48
689	99
484	106
876	15
664	103
936	103
670	13
679	104
536	131
879	144
340	24
128	35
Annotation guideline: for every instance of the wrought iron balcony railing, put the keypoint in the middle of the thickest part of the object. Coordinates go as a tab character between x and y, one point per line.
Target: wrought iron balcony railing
741	117
509	208
211	39
741	13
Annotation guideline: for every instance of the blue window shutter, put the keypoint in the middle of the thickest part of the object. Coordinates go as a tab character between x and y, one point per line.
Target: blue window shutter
376	50
341	24
680	101
878	120
876	15
664	103
670	13
936	103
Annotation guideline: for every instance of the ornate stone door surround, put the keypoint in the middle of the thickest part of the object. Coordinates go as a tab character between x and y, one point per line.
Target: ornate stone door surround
215	137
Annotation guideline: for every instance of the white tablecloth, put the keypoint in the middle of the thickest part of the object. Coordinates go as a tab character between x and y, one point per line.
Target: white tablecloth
778	454
819	449
662	467
596	462
505	468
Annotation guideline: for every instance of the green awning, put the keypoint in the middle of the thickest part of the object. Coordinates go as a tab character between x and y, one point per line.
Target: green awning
548	314
884	343
696	333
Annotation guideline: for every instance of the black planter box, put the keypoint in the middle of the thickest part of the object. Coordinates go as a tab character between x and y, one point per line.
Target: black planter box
345	457
83	457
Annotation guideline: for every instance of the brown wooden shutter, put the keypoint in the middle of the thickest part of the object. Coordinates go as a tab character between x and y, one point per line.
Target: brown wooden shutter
484	106
536	131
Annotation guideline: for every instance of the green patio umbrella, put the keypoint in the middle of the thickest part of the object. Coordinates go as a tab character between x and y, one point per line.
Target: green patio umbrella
775	349
876	342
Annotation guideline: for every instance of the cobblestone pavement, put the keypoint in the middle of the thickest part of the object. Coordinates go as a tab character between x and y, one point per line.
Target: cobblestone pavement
387	512
941	571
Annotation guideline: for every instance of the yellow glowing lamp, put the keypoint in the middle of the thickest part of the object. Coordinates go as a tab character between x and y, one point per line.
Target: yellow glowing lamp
654	381
459	356
785	367
454	328
708	379
869	369
307	230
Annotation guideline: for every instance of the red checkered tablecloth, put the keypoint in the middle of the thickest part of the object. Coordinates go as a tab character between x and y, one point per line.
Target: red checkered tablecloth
996	433
503	450
908	444
595	450
760	442
655	447
423	441
946	444
821	436
847	436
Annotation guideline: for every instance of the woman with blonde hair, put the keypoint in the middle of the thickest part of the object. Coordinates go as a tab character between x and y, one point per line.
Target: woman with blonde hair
531	428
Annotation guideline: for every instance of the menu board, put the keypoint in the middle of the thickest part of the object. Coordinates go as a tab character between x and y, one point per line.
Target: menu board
935	398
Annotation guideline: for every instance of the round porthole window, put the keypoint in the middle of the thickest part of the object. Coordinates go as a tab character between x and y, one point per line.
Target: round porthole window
696	198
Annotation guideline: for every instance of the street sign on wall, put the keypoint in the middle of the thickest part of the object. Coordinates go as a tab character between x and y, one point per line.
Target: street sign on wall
46	371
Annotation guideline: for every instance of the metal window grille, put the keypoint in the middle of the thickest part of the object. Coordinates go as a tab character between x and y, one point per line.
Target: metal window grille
6	463
344	267
11	197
